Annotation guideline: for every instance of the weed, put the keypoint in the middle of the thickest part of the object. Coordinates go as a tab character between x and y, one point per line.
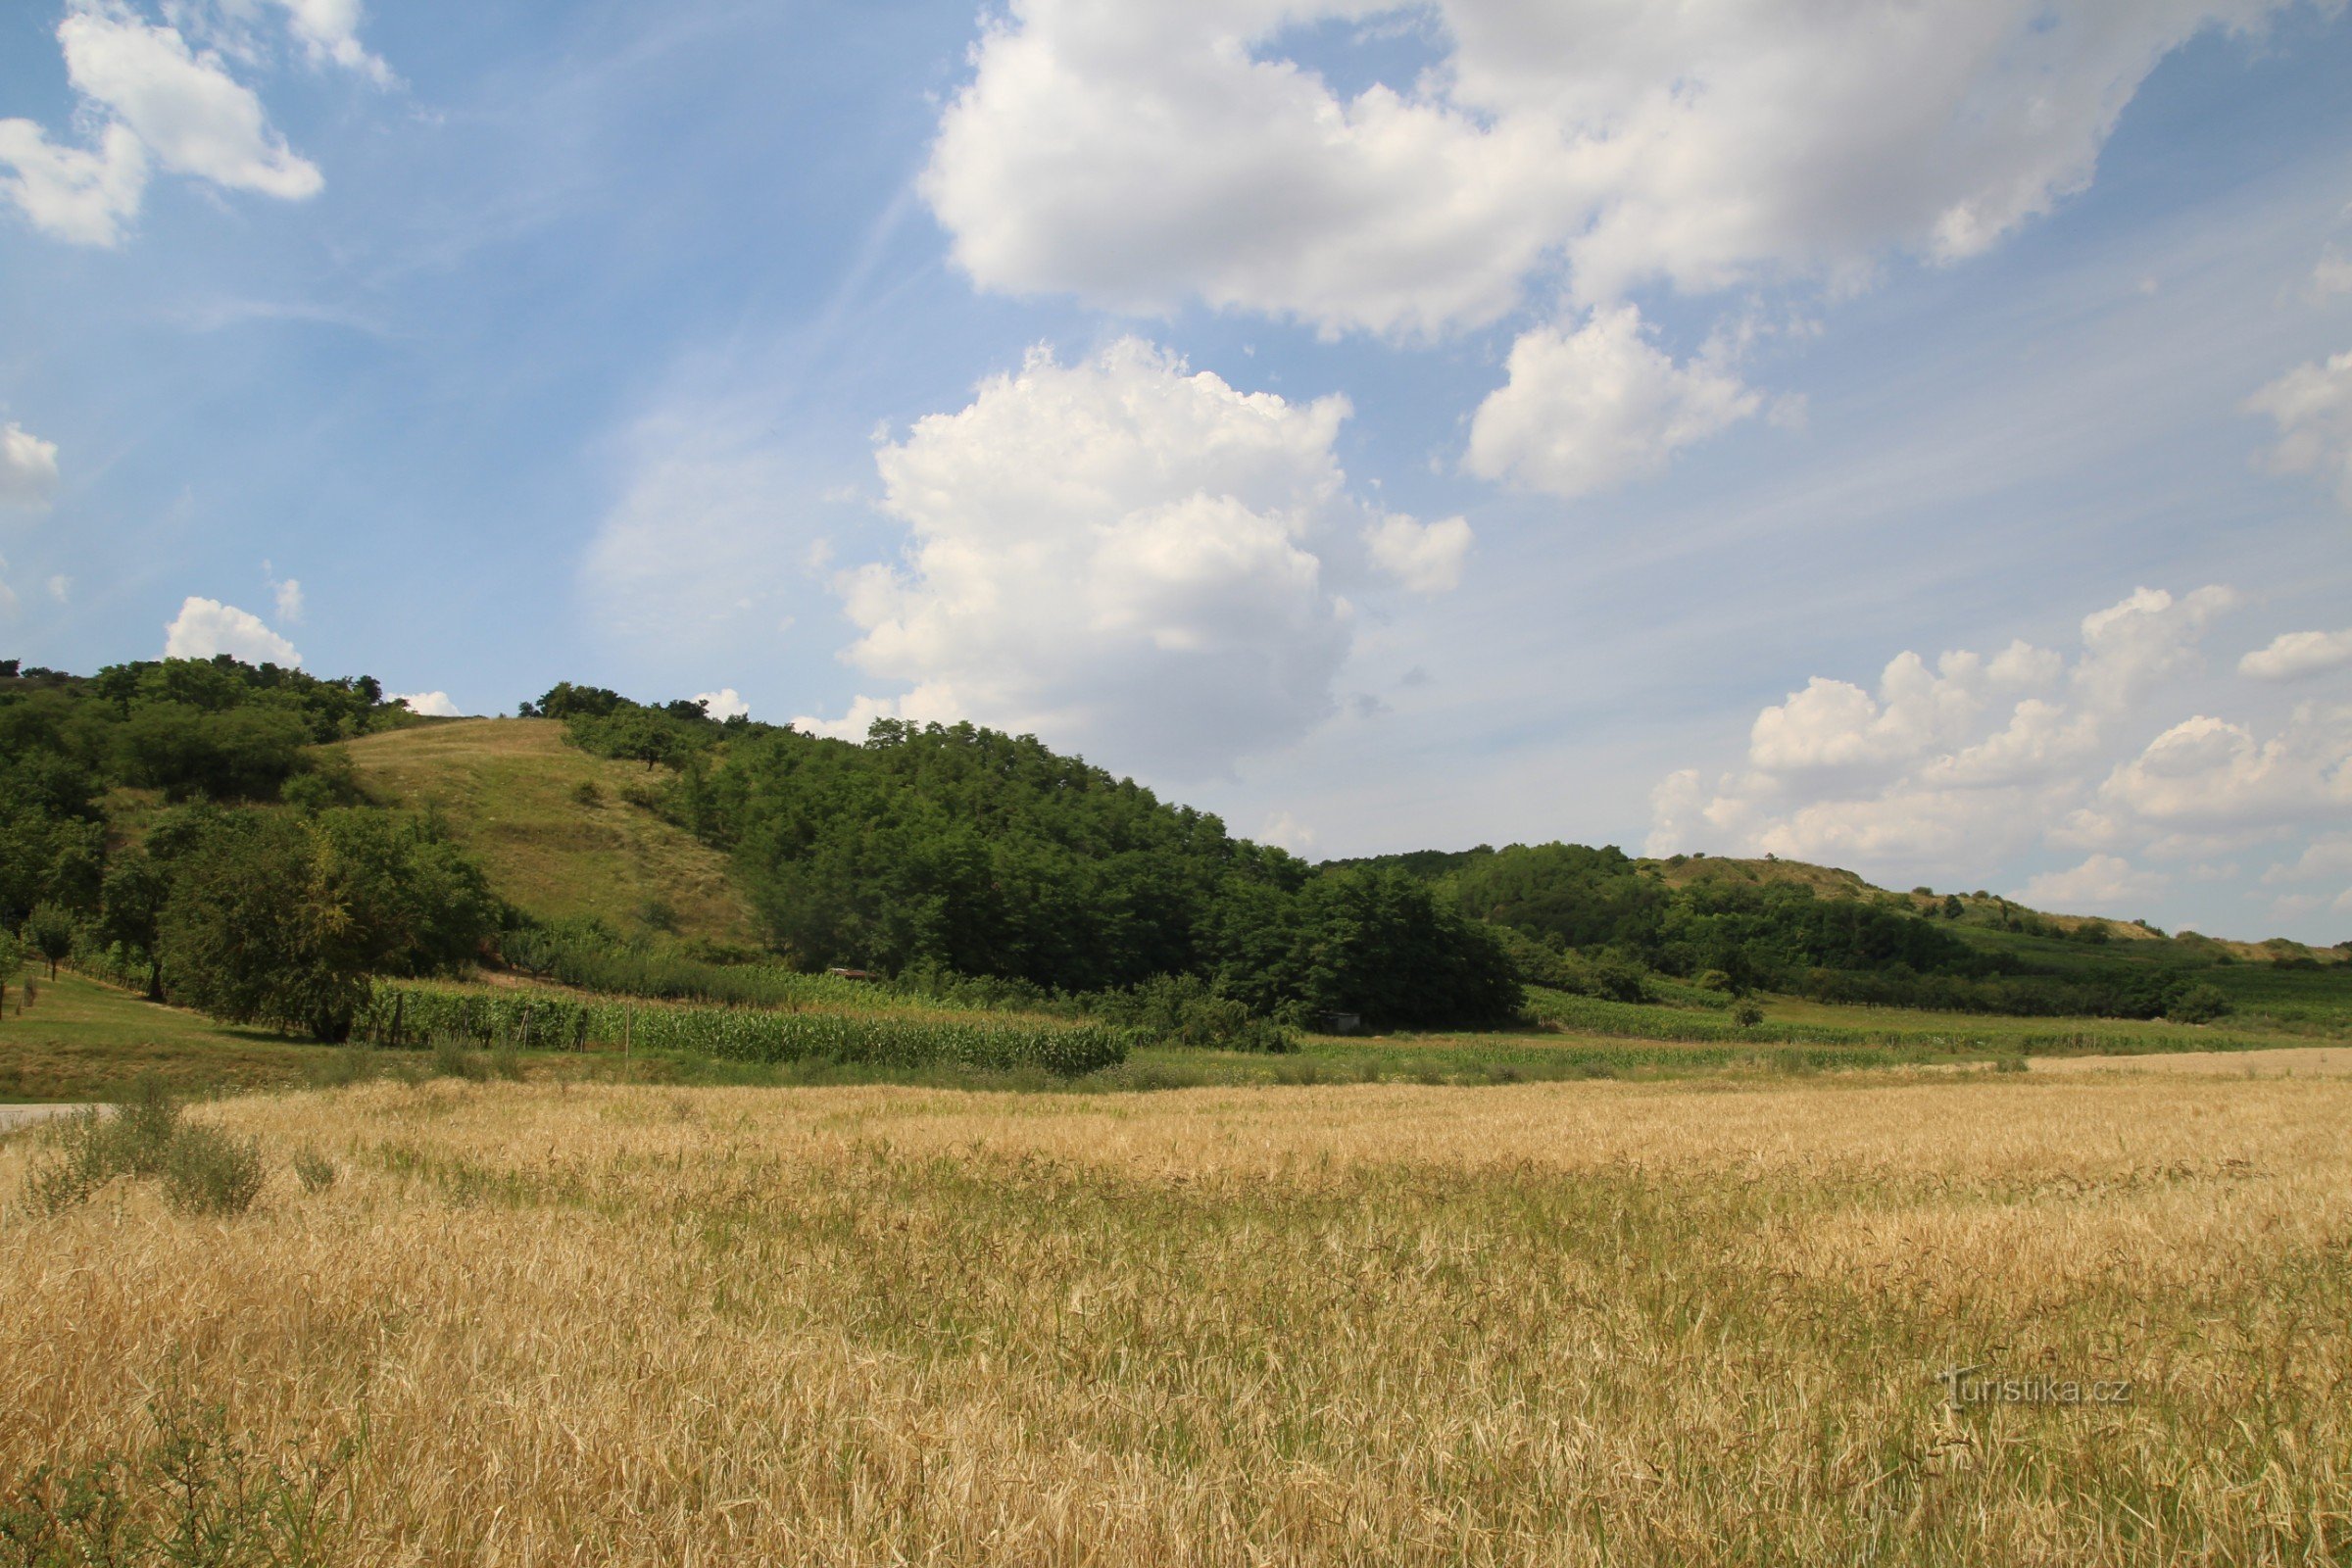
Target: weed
207	1171
451	1060
194	1494
506	1061
314	1170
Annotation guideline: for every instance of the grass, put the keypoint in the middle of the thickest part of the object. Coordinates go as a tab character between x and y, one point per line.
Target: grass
552	825
1639	1324
1920	1034
86	1041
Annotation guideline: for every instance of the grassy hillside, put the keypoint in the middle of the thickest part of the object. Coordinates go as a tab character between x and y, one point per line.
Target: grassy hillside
87	1040
554	827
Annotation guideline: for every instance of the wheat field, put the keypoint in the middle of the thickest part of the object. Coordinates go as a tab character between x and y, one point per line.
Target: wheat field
1552	1323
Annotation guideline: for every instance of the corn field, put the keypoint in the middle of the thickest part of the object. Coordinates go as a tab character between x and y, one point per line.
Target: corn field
400	1014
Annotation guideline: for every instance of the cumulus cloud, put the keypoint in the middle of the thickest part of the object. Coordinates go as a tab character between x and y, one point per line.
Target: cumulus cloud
206	627
2103	884
161	104
1126	556
288	597
1972	763
2327	857
83	196
1140	153
2294	655
1590	410
1426	558
432	705
28	467
725	703
2206	774
2147	638
2312	407
1945	765
2332	274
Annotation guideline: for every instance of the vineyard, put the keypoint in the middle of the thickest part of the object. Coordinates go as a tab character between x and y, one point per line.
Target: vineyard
401	1015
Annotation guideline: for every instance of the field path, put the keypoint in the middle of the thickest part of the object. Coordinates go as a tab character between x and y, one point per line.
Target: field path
2287	1059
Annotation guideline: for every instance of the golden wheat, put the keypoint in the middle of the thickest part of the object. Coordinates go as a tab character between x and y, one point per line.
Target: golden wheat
1538	1324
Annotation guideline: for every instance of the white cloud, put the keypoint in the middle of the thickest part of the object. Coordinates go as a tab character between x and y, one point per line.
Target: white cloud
2294	655
329	30
2311	406
1956	765
60	588
1143	152
161	103
2328	857
8	595
80	196
2104	884
432	705
1127	556
1286	832
207	628
2332	274
1426	558
28	467
1590	410
2207	773
725	703
2148	638
288	595
192	117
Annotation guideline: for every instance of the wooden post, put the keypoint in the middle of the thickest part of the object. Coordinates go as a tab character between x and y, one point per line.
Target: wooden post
629	1027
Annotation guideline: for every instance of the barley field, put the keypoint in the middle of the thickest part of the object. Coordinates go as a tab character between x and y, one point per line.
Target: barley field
1670	1323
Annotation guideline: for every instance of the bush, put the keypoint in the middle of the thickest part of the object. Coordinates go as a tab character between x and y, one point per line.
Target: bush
1746	1014
203	1170
451	1058
2198	1003
1186	1010
206	1171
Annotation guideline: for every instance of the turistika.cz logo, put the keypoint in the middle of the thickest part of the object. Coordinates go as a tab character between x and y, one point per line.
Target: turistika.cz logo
1965	1385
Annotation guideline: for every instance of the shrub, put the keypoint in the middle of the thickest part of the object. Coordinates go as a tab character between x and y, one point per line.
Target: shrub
1746	1014
203	1170
2198	1003
451	1058
206	1171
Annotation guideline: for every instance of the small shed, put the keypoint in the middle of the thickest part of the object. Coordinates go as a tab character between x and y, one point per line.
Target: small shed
1340	1023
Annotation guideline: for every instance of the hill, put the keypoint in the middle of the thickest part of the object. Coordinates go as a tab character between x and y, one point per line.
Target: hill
555	827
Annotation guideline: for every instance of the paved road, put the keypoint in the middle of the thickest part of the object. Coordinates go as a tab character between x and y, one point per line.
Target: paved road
13	1117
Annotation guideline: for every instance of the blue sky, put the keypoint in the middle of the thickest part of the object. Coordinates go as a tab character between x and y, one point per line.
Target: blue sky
1486	421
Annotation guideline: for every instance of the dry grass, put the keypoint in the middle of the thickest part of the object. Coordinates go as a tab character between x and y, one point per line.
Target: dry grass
510	788
1540	1324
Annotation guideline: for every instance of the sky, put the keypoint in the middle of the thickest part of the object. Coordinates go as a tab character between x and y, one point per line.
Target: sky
1914	437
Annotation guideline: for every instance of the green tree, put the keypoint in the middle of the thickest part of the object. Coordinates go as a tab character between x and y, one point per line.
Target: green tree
49	931
131	908
282	920
11	963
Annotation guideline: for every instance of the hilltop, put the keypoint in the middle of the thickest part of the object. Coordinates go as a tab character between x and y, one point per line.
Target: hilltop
559	830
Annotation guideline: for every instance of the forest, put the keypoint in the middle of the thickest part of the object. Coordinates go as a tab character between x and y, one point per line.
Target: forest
194	823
